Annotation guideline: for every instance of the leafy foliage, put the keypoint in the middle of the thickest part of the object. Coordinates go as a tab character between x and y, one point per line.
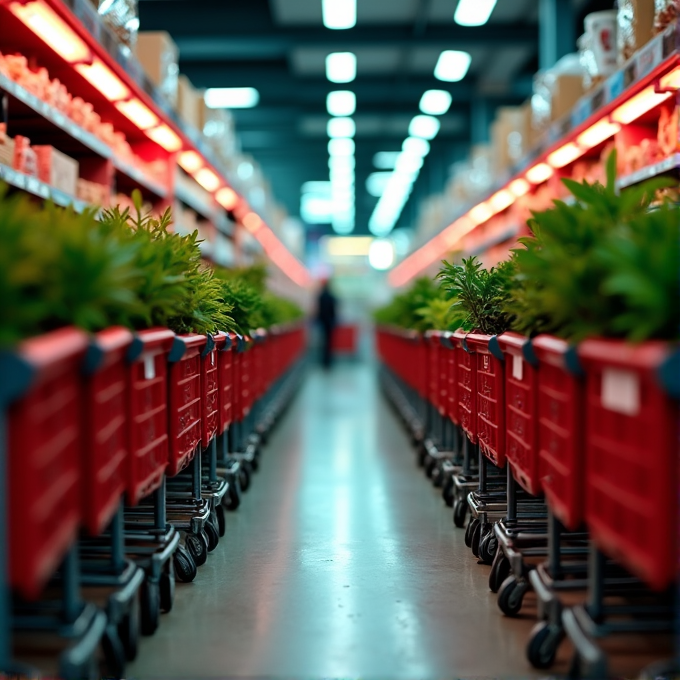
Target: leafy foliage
479	295
604	265
411	309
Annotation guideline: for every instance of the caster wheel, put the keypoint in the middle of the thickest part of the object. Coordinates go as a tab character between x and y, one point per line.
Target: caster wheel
447	492
212	535
476	539
488	547
244	478
151	607
221	520
255	463
421	456
459	513
469	530
198	548
184	565
430	465
114	652
167	587
543	643
232	499
511	595
437	477
500	570
129	630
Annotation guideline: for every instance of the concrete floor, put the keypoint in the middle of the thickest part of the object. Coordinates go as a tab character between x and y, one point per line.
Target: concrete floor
341	562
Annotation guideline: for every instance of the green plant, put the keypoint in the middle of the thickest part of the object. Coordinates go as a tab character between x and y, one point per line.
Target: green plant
403	311
479	295
603	265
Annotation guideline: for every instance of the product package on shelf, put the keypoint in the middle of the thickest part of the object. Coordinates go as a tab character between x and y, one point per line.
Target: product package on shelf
189	101
555	92
635	25
93	193
668	133
665	13
510	136
217	126
6	147
57	169
598	47
24	159
122	17
158	55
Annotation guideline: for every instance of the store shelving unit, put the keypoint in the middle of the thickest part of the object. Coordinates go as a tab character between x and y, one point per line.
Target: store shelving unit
69	40
627	104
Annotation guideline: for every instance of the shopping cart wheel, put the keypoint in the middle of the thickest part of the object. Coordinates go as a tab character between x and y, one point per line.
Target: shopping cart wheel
221	520
470	530
151	606
544	640
459	512
476	539
232	499
128	630
430	465
500	570
447	492
198	548
487	547
184	565
244	477
114	652
167	586
511	595
212	533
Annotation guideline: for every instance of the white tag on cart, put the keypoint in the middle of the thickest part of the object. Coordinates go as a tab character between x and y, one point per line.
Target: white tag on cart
517	367
212	358
621	391
149	368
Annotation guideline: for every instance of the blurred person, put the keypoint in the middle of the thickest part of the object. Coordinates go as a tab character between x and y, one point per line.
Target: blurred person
326	316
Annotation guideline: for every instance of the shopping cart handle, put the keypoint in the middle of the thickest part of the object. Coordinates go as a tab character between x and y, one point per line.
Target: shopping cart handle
209	345
495	348
668	374
529	354
17	376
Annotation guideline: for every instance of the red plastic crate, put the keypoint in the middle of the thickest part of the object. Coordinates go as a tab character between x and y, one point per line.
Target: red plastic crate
433	347
345	339
225	364
560	428
521	410
631	438
105	446
449	353
490	396
466	386
210	406
185	403
44	456
443	370
237	362
147	411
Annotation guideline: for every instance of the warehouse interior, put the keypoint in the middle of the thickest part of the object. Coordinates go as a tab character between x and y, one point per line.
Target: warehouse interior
339	339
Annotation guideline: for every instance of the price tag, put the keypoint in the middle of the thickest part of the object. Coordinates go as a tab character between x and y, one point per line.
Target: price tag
517	367
621	391
212	358
149	368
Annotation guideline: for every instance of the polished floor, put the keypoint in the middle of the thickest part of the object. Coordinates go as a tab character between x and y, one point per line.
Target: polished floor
342	562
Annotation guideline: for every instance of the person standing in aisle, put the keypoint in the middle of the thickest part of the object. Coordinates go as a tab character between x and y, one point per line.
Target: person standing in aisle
326	316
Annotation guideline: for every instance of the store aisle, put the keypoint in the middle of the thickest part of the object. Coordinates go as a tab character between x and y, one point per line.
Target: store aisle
341	562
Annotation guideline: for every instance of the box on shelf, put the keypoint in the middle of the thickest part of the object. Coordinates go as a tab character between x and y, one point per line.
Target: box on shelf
57	169
556	91
189	101
6	147
93	193
668	134
509	136
121	17
24	159
158	55
635	20
217	126
665	13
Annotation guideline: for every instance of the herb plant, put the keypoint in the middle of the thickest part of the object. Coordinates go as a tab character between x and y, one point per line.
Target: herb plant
479	295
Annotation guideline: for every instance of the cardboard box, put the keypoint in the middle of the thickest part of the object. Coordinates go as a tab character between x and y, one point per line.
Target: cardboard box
567	90
635	22
510	136
6	147
189	101
158	55
57	169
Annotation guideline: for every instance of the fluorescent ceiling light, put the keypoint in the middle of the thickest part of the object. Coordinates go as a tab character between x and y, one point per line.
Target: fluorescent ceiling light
342	146
341	163
435	102
342	226
341	103
473	12
385	160
452	66
322	188
408	165
341	67
231	97
341	127
376	183
426	127
381	254
316	210
416	146
339	14
355	246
